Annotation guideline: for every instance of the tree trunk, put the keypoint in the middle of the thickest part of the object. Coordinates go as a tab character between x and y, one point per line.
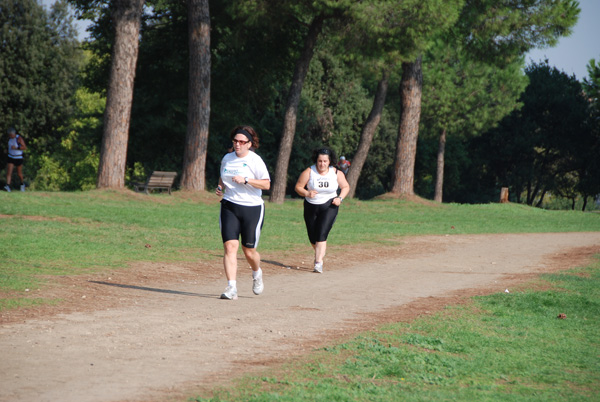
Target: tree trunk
541	200
411	88
113	153
289	123
196	140
529	195
439	177
367	134
536	190
504	195
517	193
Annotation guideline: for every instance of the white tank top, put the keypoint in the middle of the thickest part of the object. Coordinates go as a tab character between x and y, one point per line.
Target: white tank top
14	153
326	185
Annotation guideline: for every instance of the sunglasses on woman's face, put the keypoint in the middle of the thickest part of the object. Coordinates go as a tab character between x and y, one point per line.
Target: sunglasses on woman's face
241	142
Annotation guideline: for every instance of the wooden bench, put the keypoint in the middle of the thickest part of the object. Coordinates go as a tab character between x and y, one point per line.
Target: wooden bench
157	180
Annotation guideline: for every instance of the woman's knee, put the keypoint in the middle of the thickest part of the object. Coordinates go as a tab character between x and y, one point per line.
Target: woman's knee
231	246
249	252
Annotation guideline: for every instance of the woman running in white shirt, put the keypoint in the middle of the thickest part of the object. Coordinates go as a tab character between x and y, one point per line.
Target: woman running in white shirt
243	177
318	185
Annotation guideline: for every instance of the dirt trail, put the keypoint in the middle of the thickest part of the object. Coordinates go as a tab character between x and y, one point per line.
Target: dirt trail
149	338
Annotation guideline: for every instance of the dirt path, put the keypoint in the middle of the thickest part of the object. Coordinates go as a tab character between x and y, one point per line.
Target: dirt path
153	332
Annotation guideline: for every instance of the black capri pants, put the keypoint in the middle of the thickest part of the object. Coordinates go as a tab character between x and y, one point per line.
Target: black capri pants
319	220
236	220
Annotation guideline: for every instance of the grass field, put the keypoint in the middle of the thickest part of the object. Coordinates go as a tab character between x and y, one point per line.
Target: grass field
499	347
45	234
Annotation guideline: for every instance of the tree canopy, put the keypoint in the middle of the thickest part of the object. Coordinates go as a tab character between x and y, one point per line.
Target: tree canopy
537	150
40	59
472	52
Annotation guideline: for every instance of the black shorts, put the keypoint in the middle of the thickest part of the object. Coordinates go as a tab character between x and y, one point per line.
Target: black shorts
319	220
236	220
16	162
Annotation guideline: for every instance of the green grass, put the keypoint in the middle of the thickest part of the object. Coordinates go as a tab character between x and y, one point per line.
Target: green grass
500	347
72	233
503	347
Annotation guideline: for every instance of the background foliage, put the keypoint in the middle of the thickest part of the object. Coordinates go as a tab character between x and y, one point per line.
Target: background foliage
53	91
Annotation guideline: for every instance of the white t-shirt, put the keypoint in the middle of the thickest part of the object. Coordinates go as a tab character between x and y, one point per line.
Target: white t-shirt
251	166
326	185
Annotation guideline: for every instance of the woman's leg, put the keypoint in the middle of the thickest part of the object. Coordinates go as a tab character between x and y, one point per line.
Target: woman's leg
326	218
310	220
230	259
253	257
20	173
9	171
320	250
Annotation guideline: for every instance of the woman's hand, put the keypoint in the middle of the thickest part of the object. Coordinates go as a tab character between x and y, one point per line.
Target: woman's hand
238	179
219	191
311	194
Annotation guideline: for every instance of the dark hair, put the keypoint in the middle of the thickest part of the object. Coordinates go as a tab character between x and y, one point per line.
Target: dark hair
248	130
324	151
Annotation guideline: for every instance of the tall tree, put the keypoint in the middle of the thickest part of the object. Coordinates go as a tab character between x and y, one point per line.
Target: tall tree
310	14
126	16
385	33
499	32
367	133
464	97
411	90
159	113
291	110
194	157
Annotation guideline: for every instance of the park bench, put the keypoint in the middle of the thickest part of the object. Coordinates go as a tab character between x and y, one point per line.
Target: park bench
157	180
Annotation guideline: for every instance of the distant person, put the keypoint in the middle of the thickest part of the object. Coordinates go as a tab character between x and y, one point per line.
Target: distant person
319	185
343	164
16	146
243	177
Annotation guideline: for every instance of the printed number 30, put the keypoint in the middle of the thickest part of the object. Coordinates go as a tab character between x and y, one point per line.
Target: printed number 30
323	184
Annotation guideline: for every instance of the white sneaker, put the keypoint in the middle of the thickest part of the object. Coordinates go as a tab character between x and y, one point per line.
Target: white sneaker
7	188
257	285
22	187
230	293
318	267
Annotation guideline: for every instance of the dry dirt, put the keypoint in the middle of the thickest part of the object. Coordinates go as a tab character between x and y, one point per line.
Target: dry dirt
158	332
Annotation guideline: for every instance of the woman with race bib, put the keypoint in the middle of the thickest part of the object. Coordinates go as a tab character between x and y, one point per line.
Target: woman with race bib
319	186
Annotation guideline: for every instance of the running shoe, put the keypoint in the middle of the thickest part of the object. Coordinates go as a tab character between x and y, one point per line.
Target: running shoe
318	267
230	293
257	285
22	187
7	188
